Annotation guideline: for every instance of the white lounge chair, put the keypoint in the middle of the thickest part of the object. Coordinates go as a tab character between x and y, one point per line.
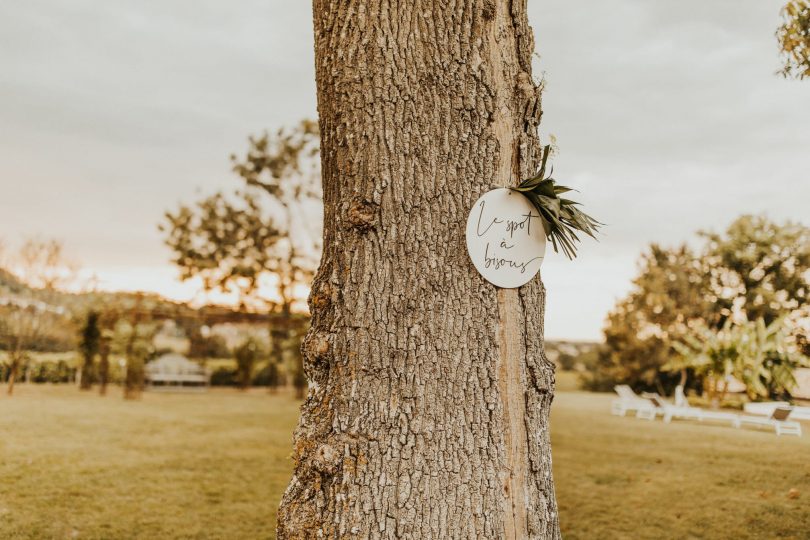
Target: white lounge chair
765	408
800	413
778	420
629	401
669	411
719	416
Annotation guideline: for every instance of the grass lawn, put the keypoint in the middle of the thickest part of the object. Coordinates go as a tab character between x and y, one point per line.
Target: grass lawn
628	478
74	465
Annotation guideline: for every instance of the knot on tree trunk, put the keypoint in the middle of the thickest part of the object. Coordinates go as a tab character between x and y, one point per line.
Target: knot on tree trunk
326	460
316	347
321	462
361	214
320	296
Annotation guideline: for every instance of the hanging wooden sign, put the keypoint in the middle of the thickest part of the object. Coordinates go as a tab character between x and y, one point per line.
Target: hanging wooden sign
505	238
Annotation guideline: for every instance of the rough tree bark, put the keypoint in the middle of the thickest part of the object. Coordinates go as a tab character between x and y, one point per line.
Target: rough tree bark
427	415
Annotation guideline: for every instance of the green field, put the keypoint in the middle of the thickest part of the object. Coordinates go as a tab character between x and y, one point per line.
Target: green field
75	465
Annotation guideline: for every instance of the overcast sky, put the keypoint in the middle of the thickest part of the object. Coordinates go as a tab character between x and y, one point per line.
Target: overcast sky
668	116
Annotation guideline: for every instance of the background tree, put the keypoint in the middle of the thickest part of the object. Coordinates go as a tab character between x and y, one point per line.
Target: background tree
246	355
798	321
566	361
794	39
270	376
761	356
669	298
267	230
133	338
756	269
42	264
203	343
20	329
137	350
28	321
427	414
286	169
770	356
263	241
89	347
110	339
105	348
712	355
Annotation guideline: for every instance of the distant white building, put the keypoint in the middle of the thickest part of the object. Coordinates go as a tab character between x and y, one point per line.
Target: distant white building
175	372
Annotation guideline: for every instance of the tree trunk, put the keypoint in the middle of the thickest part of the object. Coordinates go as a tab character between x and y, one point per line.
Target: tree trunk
133	379
87	373
133	376
104	369
12	376
427	415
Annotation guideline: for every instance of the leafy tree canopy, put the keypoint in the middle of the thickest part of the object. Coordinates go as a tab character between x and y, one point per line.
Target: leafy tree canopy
264	229
668	300
761	356
794	39
757	269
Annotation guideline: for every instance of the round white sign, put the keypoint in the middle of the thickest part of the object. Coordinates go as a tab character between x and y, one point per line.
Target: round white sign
505	238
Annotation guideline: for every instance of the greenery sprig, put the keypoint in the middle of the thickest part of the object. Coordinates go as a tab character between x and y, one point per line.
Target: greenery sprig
561	217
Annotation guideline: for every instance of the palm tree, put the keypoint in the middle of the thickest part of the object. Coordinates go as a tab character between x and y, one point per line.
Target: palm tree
769	357
761	356
711	355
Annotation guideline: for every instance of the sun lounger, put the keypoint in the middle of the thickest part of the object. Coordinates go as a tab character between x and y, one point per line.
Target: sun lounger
800	413
668	411
720	416
629	401
652	405
778	420
764	408
685	412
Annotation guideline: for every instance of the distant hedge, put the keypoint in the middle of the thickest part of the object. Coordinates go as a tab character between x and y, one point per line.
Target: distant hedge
49	371
227	376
